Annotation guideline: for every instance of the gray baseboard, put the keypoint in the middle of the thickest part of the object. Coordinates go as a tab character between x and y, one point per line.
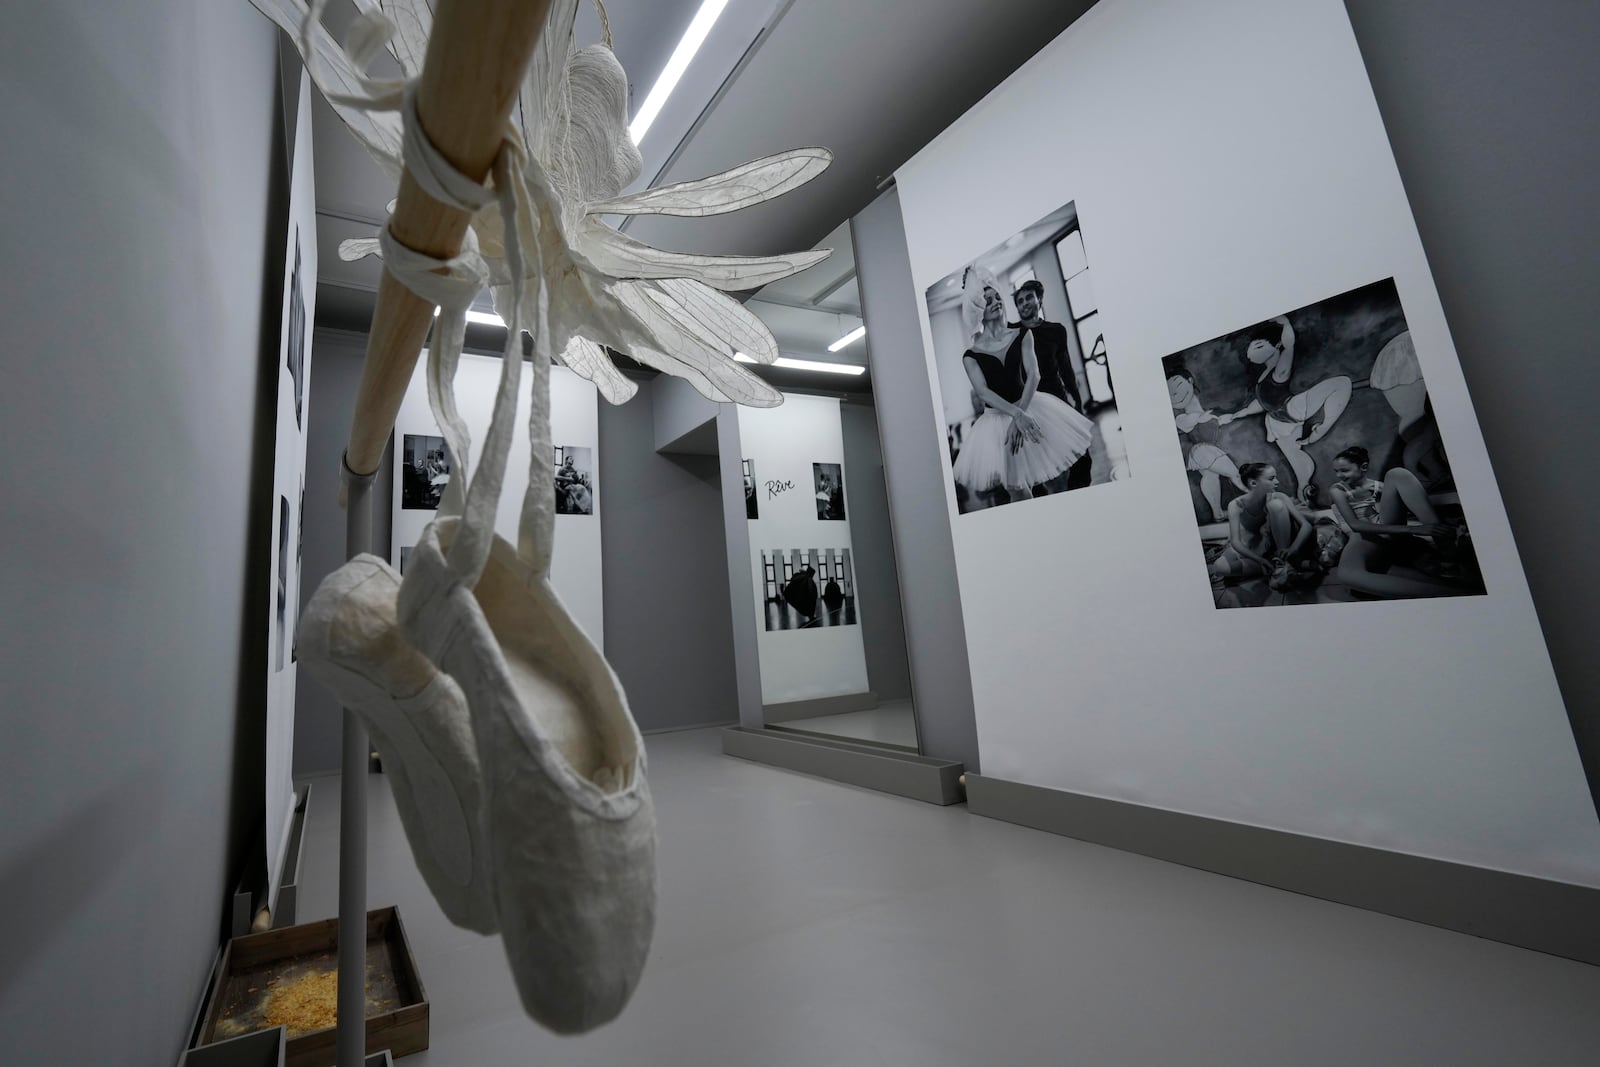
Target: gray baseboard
791	710
690	726
901	773
1554	917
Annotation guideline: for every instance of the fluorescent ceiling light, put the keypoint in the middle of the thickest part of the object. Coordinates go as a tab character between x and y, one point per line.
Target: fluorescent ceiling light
848	339
693	38
807	364
486	318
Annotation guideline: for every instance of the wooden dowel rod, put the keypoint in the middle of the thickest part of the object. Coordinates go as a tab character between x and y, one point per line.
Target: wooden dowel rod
477	55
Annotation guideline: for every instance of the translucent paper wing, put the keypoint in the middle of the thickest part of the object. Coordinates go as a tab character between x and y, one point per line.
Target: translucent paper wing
336	76
359	248
589	360
678	369
716	318
413	21
742	187
689	343
621	256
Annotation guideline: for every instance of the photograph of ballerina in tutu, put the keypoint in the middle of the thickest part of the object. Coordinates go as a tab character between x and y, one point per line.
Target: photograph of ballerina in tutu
808	589
1024	379
1316	470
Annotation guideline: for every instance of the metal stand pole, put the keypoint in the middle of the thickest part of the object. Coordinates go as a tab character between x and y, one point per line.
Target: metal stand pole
352	1021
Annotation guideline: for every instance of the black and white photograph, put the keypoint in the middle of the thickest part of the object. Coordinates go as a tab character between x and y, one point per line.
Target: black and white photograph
296	347
828	481
280	619
1315	466
299	562
807	589
574	480
425	471
751	507
1025	380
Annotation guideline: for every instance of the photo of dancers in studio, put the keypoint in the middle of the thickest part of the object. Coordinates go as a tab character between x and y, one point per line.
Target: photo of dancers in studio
1315	465
807	589
1024	376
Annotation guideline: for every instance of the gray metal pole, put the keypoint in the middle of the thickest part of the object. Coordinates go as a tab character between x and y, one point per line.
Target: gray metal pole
352	1023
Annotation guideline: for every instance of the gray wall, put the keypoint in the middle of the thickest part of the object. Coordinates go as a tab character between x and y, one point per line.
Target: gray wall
143	184
911	438
883	628
669	632
1489	110
668	629
335	372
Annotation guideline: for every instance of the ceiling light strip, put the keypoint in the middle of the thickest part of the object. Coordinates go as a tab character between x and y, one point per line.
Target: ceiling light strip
848	339
693	38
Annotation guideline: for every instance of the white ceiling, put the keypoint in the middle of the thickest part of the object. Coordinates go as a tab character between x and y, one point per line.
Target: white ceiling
872	80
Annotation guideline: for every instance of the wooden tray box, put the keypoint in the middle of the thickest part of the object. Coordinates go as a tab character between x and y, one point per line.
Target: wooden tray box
255	964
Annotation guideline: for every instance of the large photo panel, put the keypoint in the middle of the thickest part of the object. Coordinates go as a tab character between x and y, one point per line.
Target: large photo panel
1316	468
1025	377
1227	167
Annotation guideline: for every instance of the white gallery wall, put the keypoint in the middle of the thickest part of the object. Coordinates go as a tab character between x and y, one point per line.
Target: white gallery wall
575	569
289	489
1228	164
783	444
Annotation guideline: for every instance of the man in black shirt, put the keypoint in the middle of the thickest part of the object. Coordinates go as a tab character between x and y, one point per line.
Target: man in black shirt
1055	363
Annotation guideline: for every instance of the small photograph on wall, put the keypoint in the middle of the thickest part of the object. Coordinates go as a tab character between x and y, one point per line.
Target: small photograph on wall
807	588
751	508
828	481
299	561
1315	466
574	480
1025	381
280	619
425	471
297	336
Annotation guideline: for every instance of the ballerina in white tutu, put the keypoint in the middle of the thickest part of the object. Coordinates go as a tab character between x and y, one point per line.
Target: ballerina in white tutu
1024	438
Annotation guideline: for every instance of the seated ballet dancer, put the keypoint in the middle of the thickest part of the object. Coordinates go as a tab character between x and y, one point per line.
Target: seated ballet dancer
1268	535
1375	517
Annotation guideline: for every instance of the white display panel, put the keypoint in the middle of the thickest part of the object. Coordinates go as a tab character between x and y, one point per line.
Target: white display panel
289	489
795	454
575	567
1228	164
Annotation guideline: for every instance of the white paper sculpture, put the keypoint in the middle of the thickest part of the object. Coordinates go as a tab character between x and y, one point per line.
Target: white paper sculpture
559	853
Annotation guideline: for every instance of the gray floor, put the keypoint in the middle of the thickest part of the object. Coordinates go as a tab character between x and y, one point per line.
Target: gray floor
890	723
808	923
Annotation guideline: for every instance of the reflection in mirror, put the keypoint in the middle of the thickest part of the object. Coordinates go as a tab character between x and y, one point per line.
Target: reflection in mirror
831	630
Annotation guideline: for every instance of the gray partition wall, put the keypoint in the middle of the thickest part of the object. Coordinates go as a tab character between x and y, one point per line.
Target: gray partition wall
741	586
936	639
1487	109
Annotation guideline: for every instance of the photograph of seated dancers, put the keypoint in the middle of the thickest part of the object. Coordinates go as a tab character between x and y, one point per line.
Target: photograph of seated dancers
1315	467
807	589
1024	380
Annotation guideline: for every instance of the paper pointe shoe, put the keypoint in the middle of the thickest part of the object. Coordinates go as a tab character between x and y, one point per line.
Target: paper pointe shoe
351	643
568	814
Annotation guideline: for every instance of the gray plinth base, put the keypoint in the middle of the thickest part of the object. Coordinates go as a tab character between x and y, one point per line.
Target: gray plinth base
871	767
1555	917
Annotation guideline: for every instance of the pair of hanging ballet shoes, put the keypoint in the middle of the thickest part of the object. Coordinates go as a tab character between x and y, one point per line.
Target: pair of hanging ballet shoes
517	770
